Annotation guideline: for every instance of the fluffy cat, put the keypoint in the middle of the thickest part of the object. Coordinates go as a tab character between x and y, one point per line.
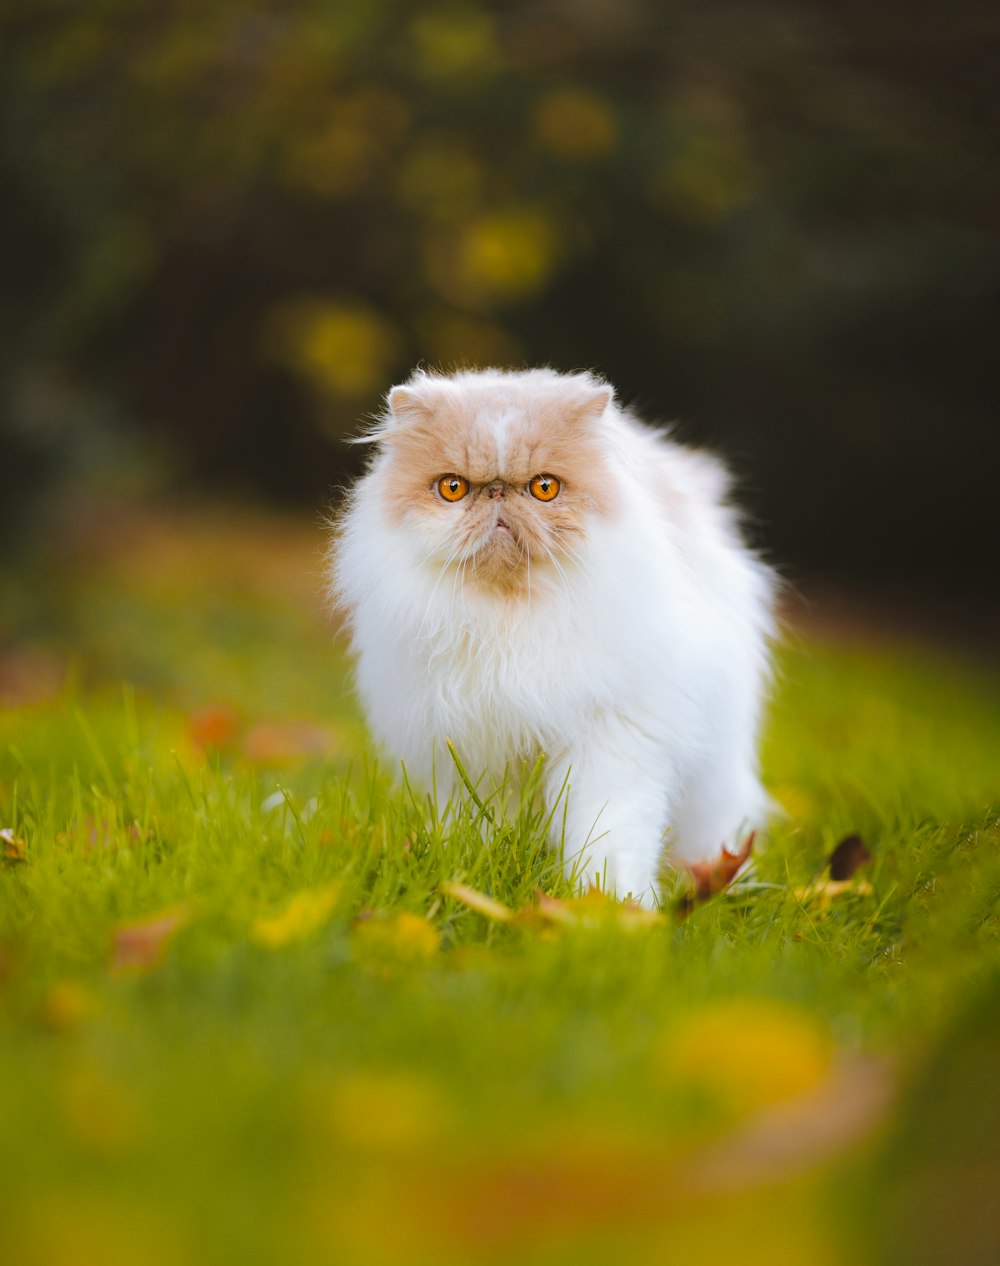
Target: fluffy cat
529	569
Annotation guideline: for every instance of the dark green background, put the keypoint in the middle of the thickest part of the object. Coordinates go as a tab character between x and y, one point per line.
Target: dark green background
228	227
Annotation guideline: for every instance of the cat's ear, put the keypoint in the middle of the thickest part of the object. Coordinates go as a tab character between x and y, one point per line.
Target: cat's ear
591	405
406	404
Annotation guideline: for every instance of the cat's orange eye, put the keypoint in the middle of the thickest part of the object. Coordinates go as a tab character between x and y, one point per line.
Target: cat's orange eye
544	487
453	487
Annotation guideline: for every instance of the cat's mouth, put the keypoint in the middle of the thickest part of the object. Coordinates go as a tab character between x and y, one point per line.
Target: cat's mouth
503	526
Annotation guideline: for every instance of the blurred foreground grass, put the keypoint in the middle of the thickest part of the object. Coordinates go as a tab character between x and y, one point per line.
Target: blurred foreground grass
241	1021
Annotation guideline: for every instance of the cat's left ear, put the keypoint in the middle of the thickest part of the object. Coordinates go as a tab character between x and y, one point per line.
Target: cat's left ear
592	405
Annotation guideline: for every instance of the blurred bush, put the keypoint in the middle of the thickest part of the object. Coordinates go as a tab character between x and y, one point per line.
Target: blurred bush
230	226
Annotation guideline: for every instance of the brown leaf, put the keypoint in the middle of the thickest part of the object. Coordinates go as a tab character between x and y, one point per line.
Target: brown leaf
849	854
711	877
11	848
140	946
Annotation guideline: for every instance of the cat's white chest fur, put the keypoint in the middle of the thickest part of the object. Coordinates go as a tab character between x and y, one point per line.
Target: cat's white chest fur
527	569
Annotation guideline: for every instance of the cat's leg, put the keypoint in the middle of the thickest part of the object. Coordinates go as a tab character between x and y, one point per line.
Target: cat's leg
718	807
611	798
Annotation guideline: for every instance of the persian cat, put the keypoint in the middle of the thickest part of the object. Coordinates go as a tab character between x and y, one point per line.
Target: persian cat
527	569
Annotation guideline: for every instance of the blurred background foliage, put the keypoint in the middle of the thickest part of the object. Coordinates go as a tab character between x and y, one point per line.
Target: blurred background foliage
229	226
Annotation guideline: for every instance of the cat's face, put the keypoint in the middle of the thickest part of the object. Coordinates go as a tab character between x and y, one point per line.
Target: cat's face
497	475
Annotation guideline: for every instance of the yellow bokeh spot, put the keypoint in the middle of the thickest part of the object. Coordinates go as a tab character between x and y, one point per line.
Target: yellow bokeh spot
454	41
747	1053
575	125
305	913
383	1111
506	255
709	180
402	937
441	179
68	1004
100	1113
345	349
338	155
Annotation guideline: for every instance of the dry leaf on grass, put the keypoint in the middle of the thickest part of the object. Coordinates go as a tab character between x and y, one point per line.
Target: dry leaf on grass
302	915
593	908
823	891
140	946
473	899
11	848
849	855
711	877
395	938
214	726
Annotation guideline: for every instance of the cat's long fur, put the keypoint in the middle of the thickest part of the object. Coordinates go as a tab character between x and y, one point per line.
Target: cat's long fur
621	628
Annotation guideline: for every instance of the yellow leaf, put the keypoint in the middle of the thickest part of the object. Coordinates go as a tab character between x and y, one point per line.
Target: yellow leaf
592	908
11	848
823	891
304	914
397	937
478	901
67	1005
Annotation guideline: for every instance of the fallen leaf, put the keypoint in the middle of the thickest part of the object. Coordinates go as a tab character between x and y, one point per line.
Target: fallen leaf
711	877
284	742
67	1004
140	946
11	848
400	937
478	901
823	891
850	854
214	726
304	914
590	909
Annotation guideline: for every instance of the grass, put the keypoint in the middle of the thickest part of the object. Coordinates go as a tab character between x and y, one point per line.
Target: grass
242	1021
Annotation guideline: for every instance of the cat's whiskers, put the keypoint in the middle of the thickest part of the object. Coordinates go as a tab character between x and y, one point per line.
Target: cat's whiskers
425	623
550	554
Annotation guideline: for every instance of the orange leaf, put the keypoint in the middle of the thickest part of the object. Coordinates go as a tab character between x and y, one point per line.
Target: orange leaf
711	877
140	946
214	726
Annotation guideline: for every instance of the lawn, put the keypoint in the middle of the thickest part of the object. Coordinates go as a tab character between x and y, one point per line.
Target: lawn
260	1003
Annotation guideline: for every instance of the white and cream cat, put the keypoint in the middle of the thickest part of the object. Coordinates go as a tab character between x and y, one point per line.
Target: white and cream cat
528	569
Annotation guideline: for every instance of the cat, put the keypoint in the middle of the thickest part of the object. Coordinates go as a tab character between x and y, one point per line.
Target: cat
528	569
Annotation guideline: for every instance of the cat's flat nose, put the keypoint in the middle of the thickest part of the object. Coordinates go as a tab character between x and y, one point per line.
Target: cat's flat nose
497	489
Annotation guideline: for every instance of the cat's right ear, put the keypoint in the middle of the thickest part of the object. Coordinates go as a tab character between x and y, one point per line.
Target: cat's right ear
406	405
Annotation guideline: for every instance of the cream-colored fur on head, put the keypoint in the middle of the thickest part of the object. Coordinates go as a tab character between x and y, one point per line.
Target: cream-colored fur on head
620	627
